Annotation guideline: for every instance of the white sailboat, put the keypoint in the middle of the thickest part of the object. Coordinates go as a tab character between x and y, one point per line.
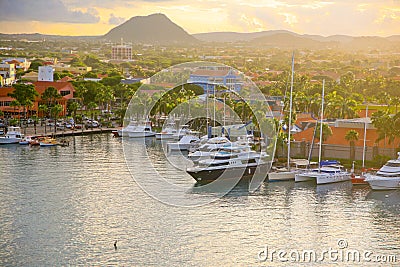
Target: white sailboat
327	174
285	174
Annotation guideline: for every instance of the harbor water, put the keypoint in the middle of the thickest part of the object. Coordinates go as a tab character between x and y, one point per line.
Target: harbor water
68	205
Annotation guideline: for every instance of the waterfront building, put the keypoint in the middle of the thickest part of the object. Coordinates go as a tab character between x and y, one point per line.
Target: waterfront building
65	89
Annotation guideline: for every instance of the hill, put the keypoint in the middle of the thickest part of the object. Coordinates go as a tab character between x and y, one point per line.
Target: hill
154	29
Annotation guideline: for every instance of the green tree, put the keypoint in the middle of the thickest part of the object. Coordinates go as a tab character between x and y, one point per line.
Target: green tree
326	132
383	123
25	94
73	108
352	136
15	104
91	106
56	110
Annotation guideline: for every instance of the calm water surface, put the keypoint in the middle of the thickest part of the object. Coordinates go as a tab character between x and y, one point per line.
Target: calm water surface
67	205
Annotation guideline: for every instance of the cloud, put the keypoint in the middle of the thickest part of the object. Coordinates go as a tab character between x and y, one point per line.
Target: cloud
113	20
44	10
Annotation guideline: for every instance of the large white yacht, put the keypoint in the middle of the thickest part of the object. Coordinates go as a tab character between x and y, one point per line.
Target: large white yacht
230	162
13	136
388	176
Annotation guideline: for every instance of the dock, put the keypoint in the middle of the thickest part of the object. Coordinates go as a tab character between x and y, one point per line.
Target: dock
41	131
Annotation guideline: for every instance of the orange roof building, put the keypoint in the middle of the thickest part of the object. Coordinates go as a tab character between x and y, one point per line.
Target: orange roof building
65	89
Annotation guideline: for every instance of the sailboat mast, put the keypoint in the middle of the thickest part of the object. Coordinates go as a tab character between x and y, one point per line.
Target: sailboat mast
320	127
365	135
290	113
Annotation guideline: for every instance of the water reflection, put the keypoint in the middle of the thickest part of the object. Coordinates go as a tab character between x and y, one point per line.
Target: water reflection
67	205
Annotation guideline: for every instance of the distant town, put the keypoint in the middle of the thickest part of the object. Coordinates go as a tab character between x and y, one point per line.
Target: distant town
78	77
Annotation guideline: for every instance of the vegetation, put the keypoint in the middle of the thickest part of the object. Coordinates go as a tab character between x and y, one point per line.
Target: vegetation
352	136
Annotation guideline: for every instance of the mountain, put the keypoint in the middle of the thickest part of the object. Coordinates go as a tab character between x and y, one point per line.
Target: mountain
231	37
154	29
287	40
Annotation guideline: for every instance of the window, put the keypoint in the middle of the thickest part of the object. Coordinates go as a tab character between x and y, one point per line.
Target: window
64	93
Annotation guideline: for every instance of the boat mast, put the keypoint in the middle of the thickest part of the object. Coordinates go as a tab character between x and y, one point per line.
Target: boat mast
320	127
290	113
365	135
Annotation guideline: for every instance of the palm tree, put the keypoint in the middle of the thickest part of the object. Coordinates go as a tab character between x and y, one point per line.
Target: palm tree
15	104
382	121
56	110
395	101
91	106
50	96
352	136
73	107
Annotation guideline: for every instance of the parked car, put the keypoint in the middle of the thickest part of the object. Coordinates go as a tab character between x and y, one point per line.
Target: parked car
92	124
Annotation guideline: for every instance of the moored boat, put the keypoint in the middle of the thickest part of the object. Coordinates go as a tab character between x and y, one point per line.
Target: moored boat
211	145
297	166
231	162
329	172
26	140
387	177
13	136
183	144
141	130
48	142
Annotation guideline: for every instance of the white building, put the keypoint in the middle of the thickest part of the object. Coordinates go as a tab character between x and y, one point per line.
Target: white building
45	74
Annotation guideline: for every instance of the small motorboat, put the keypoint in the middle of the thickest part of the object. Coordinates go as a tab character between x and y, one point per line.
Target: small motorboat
13	136
26	140
48	142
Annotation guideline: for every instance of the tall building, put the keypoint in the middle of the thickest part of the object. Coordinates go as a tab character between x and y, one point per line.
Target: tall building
121	52
45	74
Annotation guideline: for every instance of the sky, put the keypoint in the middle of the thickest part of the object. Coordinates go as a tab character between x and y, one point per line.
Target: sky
97	17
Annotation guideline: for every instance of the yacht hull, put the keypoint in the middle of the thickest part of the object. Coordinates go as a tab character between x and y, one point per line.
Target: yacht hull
178	146
332	178
383	183
281	176
5	141
141	134
243	172
164	136
304	177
